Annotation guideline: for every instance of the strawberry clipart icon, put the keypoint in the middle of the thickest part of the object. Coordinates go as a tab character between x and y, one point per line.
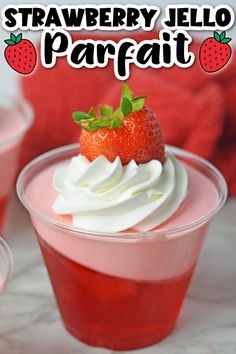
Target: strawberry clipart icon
215	52
20	54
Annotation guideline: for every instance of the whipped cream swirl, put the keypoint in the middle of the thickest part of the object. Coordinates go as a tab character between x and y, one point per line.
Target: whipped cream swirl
104	196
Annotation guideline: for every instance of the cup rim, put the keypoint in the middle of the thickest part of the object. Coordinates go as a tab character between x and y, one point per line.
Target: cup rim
28	117
133	234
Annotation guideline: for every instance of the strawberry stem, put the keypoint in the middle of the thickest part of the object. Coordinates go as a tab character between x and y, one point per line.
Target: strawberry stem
14	39
221	38
107	118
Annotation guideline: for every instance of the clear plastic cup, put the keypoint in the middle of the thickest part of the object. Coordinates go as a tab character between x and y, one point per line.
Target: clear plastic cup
6	264
10	147
104	295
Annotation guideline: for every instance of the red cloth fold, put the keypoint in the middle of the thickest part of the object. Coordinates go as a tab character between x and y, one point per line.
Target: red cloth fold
197	111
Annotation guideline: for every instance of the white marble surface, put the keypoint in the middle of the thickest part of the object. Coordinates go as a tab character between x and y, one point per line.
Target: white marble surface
30	322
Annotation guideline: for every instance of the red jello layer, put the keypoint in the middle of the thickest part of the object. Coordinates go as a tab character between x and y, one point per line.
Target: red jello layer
3	205
112	312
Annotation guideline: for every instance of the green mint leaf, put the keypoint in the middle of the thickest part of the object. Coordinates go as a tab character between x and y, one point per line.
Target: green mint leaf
222	36
126	92
13	37
78	116
18	38
138	103
217	36
92	112
106	110
137	98
226	40
126	106
9	42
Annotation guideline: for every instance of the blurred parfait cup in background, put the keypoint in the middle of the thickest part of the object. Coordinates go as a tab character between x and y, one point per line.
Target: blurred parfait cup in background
6	265
15	120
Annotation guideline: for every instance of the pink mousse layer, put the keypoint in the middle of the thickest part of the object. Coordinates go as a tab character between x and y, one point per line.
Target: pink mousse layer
12	124
152	258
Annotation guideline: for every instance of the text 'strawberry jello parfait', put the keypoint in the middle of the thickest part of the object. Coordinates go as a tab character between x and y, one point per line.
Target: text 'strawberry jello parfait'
14	123
120	239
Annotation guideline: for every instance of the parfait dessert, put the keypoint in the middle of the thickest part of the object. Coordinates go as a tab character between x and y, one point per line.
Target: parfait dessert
120	221
14	123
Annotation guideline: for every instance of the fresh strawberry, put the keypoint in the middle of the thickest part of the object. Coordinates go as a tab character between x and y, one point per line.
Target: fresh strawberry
20	54
215	52
132	132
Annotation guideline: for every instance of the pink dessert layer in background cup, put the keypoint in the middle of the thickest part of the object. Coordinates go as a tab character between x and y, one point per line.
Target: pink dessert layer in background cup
125	290
15	121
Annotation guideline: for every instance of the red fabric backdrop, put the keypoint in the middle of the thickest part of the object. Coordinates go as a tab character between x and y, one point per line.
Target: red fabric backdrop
197	111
